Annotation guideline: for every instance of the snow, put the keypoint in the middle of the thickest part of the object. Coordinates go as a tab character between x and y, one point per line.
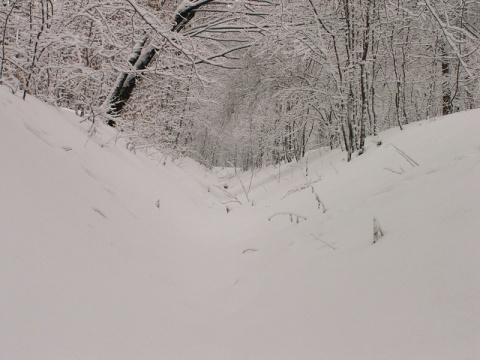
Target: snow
92	268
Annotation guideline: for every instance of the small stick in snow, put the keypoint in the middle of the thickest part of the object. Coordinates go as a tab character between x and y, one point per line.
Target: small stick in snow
334	168
292	215
406	157
400	172
307	185
246	191
324	242
228	194
377	230
99	212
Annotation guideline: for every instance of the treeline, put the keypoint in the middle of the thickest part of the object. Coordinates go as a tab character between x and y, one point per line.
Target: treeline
251	82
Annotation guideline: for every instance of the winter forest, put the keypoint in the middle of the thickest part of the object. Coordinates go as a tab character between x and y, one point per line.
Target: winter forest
240	179
247	83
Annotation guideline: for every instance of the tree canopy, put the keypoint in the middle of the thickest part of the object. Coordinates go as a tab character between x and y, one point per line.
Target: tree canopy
246	82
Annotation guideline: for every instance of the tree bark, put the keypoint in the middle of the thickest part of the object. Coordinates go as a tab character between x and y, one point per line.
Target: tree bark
141	58
447	96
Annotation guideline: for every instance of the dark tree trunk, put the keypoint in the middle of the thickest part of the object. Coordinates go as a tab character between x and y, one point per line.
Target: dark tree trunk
363	81
447	107
141	58
126	83
347	145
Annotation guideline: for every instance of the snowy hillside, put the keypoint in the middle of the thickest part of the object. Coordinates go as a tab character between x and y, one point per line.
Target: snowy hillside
107	254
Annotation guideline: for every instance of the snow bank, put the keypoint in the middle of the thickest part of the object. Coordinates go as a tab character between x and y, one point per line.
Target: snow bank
106	254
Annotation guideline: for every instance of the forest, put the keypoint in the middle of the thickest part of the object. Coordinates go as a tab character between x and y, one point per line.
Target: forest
240	179
245	83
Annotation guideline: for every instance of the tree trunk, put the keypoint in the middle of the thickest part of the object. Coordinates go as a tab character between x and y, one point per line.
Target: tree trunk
141	58
447	96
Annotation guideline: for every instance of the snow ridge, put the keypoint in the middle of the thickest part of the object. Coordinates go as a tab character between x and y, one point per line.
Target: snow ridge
107	254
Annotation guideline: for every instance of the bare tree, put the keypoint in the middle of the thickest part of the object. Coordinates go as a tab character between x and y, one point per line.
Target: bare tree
226	20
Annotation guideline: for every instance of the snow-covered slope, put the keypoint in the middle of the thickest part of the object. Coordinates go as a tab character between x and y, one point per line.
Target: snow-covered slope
107	254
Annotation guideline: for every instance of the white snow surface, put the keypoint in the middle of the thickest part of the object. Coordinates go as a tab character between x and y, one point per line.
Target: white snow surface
91	268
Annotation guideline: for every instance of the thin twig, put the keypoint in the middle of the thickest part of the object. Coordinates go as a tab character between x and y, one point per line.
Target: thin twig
228	194
408	158
241	182
334	168
400	172
292	215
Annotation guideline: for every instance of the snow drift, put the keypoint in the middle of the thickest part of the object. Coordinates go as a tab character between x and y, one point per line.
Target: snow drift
107	254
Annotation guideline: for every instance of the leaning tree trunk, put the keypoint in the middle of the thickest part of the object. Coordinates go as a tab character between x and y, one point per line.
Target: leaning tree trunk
141	58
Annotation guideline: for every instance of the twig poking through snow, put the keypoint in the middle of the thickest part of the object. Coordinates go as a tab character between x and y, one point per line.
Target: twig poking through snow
334	168
300	188
377	230
292	216
324	242
400	172
319	202
406	157
246	191
99	212
228	194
